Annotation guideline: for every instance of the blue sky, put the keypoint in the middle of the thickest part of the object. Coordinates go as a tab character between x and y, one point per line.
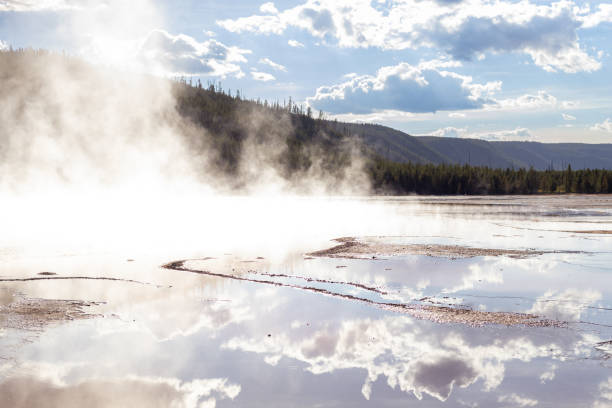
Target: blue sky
491	69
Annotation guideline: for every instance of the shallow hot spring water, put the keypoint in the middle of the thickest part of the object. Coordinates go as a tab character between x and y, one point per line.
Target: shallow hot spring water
415	301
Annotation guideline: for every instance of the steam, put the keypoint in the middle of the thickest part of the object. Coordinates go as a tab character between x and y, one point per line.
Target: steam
100	157
69	126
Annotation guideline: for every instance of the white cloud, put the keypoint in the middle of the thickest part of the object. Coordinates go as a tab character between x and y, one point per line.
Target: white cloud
569	104
605	394
262	76
528	101
378	116
54	5
549	374
54	390
602	15
542	100
564	306
450	131
605	126
3	46
422	88
183	55
272	64
518	134
268	8
517	401
464	30
434	364
476	276
570	59
567	116
295	44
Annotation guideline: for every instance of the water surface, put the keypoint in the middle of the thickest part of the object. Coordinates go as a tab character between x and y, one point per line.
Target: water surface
264	324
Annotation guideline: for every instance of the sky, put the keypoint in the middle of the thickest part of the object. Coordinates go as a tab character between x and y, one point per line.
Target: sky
488	69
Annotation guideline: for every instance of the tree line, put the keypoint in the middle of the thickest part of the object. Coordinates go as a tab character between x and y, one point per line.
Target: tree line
390	177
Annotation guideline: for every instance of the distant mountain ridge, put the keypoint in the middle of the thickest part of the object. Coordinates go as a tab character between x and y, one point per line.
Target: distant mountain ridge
401	147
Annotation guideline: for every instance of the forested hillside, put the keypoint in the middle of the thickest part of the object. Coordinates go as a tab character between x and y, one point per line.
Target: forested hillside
294	140
241	141
221	113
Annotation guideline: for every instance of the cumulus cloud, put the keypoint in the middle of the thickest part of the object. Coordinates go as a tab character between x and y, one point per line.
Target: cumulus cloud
528	101
272	64
602	15
295	44
268	8
426	87
569	59
450	131
532	101
183	55
464	30
262	76
605	126
518	134
368	94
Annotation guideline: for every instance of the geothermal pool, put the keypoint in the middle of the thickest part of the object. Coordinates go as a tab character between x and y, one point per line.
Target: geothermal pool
381	302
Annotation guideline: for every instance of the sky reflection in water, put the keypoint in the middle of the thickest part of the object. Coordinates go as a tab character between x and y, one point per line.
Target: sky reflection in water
172	338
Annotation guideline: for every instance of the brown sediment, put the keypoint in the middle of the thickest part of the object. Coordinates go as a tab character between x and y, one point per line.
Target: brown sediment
353	249
469	317
32	314
603	232
308	279
41	278
440	314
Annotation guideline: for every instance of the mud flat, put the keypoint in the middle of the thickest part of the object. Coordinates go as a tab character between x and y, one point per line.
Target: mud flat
352	248
20	312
